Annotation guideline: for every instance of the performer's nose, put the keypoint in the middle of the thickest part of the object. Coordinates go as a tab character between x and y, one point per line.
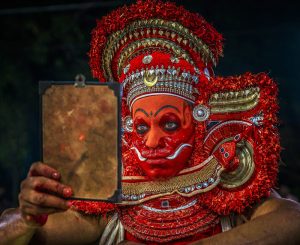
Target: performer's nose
153	139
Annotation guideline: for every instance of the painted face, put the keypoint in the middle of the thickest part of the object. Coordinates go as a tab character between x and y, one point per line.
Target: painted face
163	135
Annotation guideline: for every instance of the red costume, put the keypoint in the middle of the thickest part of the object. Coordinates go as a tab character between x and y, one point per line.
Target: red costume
196	148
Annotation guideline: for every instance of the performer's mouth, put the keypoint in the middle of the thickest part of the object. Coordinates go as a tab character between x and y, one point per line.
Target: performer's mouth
160	160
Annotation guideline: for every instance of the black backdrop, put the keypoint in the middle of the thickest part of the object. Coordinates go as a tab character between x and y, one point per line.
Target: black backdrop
49	41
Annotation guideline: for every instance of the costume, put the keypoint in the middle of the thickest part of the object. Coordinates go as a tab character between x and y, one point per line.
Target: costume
224	159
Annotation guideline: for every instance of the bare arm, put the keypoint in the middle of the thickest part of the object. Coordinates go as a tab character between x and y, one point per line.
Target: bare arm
69	227
275	221
14	229
41	195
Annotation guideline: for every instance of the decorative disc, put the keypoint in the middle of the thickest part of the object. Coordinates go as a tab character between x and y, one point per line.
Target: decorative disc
128	124
201	113
245	169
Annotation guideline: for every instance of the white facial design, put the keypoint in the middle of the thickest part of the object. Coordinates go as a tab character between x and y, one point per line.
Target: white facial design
171	157
178	150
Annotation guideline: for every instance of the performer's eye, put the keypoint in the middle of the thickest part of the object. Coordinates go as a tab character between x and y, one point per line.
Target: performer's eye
170	122
170	126
142	128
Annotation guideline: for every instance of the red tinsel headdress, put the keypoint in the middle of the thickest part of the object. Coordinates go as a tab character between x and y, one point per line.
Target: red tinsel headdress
154	47
151	25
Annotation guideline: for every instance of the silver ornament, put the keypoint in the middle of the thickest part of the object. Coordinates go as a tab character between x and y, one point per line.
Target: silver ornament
205	184
147	59
128	124
211	180
197	70
126	69
206	73
201	113
174	60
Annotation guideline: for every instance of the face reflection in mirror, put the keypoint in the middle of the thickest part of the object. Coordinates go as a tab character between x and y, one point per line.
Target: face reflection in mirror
163	135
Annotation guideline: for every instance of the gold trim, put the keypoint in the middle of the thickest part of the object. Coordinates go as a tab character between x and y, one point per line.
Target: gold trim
152	42
150	80
197	166
134	178
175	183
166	29
186	170
245	169
234	101
217	181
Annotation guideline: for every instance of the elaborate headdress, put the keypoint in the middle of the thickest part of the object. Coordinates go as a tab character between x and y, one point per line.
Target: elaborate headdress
155	47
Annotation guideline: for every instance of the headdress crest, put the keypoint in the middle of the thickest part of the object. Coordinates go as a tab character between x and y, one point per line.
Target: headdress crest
154	47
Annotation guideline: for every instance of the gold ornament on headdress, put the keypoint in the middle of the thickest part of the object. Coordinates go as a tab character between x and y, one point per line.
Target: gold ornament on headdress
238	101
150	79
172	36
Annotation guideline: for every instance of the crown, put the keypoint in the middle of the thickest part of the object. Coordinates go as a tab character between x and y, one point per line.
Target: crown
156	76
154	47
151	24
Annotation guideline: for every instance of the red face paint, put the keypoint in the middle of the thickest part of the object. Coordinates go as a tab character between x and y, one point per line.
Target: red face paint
163	135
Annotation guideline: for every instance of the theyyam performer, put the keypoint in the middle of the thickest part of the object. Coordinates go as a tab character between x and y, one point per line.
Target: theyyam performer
200	153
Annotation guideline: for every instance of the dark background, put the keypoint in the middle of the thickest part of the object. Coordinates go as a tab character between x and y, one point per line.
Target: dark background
49	41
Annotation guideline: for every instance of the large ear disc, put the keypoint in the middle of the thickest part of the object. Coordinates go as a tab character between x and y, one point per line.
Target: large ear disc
238	104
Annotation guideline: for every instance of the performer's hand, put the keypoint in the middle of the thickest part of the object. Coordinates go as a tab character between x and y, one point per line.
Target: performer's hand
42	194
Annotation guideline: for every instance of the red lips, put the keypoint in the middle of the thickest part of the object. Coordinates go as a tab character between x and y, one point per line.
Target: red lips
156	153
165	149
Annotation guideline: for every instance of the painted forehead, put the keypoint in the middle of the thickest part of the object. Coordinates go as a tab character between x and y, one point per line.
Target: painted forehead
154	105
156	112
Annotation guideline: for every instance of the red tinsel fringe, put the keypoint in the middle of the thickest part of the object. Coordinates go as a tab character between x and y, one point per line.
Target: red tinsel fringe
93	207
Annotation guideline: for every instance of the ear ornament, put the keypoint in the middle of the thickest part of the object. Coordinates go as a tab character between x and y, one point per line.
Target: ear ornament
201	113
128	124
